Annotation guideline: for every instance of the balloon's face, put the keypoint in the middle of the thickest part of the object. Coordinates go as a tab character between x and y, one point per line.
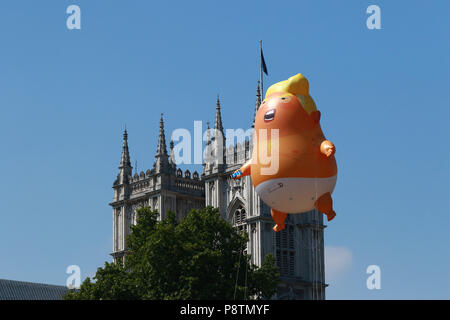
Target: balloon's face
283	111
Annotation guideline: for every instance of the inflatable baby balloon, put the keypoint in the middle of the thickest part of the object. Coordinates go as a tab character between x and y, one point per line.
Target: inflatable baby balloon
306	169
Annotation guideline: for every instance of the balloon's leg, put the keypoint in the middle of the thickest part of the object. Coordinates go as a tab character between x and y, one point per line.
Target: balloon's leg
325	205
279	218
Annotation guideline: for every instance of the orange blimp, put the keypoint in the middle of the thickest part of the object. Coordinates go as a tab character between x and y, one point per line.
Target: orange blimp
303	168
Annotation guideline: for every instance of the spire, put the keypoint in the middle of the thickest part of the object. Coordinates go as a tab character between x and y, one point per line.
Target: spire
125	161
258	103
125	168
208	149
219	136
208	134
162	139
162	163
218	122
172	155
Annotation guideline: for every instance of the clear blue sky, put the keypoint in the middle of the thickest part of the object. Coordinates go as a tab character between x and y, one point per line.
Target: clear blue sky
384	96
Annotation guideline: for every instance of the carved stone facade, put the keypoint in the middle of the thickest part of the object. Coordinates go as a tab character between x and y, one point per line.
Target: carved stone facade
299	249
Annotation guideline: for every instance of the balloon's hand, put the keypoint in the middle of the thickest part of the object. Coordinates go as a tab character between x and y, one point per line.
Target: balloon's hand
243	171
237	174
331	150
327	148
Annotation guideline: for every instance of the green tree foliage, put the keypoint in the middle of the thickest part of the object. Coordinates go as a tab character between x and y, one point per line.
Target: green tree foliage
200	257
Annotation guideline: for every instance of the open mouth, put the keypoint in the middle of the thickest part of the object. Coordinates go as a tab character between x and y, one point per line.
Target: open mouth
270	115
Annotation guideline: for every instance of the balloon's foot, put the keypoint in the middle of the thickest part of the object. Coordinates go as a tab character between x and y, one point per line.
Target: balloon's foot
279	218
325	205
330	216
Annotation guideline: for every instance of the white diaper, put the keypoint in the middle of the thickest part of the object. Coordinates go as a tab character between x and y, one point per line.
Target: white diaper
294	195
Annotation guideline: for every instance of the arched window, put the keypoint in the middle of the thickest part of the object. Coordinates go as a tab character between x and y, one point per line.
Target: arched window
239	218
239	221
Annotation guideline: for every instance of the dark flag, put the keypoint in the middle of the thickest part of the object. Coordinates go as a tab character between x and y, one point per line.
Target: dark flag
263	63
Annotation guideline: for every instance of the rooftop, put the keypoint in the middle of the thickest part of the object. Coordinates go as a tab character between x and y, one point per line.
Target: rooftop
20	290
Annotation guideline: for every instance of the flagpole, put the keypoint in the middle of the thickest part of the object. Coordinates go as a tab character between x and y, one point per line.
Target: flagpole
261	69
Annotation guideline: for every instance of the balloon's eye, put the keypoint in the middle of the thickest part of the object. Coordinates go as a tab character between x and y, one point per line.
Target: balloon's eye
285	99
263	102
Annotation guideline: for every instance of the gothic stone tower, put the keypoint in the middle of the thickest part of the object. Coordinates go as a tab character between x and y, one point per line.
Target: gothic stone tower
299	249
163	188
